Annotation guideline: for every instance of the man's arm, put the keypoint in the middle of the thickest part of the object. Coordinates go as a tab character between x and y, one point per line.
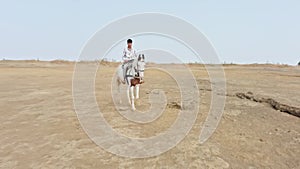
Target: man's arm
134	54
125	57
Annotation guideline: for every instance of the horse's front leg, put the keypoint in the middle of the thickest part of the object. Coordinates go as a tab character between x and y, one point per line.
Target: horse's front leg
128	95
137	91
132	97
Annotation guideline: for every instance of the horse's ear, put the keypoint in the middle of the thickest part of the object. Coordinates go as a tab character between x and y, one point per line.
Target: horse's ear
143	56
139	57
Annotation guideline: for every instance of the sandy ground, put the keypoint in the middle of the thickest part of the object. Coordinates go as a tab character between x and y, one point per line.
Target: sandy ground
40	129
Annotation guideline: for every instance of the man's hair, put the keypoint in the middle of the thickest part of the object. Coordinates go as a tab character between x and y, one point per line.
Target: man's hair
129	41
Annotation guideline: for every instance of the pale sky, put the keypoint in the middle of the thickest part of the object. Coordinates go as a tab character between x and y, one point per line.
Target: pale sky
253	31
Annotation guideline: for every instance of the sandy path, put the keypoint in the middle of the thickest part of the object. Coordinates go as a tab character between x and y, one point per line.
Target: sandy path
39	127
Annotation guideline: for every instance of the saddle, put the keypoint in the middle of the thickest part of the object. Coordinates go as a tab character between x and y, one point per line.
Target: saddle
128	68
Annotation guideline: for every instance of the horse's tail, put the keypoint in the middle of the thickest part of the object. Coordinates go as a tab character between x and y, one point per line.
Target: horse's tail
118	84
120	79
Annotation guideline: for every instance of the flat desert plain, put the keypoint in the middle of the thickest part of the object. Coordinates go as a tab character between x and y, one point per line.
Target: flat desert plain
39	126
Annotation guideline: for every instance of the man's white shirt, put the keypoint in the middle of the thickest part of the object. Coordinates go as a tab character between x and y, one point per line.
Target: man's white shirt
128	54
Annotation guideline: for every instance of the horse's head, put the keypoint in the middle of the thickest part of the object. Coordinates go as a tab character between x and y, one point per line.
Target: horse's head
141	65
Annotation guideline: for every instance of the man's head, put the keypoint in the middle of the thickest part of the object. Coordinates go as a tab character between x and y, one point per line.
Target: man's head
129	43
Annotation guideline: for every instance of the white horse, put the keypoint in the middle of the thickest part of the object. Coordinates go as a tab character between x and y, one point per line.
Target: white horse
134	77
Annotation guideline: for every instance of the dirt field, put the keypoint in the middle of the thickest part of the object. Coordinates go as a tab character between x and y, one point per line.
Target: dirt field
40	129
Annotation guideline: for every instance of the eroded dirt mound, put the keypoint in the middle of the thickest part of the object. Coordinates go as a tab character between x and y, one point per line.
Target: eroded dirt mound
273	103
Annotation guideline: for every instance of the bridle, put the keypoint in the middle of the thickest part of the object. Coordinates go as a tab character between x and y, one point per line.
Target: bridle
140	68
139	62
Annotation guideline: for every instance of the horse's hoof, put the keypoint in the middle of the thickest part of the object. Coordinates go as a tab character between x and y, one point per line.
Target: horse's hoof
133	108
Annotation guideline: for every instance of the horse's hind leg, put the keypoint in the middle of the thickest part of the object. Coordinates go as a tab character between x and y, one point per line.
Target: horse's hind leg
119	91
137	90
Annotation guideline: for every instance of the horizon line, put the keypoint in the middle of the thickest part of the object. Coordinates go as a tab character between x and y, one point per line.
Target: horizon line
103	60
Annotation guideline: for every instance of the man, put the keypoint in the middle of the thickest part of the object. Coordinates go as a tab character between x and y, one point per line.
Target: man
129	54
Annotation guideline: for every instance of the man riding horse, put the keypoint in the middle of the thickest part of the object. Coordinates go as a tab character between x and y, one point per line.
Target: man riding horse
129	54
131	72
